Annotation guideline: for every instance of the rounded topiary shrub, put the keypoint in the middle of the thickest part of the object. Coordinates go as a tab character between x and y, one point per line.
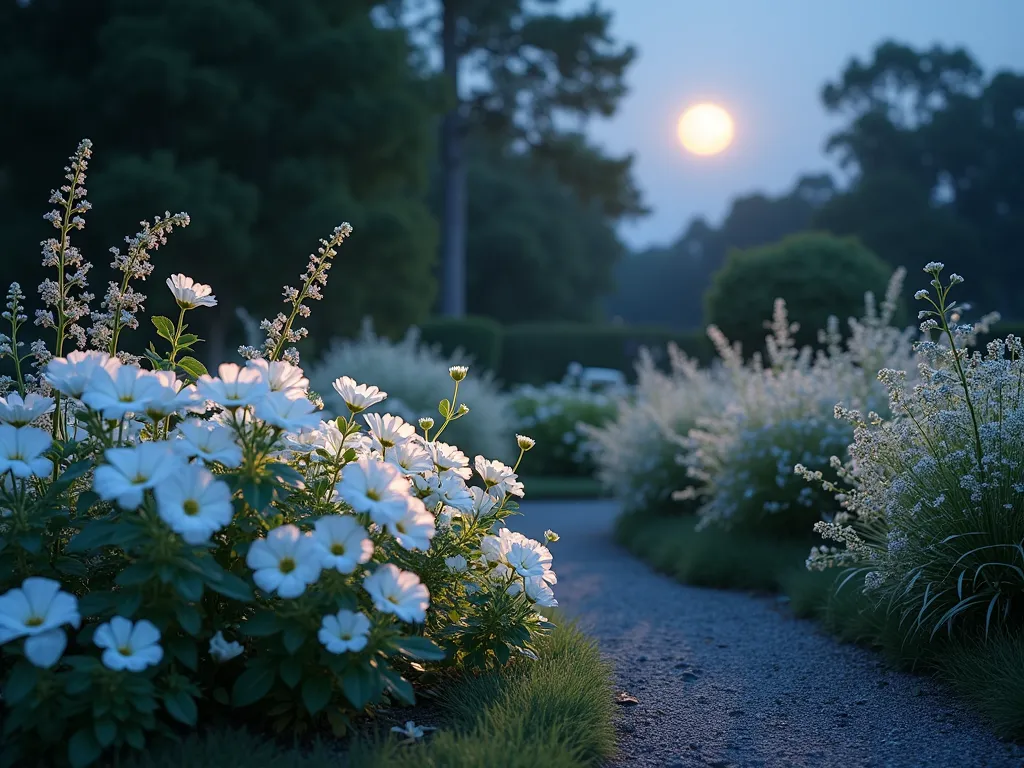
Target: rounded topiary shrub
816	273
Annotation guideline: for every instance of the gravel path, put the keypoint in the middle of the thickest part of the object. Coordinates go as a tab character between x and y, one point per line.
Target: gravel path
728	679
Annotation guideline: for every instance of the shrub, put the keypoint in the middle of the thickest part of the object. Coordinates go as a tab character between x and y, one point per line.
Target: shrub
931	496
537	353
637	453
415	376
818	275
178	544
478	339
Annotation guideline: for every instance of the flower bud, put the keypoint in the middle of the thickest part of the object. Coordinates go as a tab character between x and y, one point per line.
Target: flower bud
525	443
458	372
551	536
426	423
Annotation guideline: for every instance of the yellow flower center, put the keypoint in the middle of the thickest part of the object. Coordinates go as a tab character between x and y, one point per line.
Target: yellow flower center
139	479
400	526
287	565
34	621
393	599
125	650
17	456
387	443
372	494
125	399
338	549
191	507
346	635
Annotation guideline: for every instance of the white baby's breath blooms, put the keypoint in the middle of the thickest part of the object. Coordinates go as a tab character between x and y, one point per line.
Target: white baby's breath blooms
189	294
127	645
285	562
194	503
130	471
344	632
357	397
19	412
222	651
398	592
343	543
38	611
21	451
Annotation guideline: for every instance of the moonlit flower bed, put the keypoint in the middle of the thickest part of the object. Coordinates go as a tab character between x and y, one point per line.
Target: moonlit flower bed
177	544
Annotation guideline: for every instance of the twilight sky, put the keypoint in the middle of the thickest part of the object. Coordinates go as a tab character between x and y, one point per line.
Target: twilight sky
765	61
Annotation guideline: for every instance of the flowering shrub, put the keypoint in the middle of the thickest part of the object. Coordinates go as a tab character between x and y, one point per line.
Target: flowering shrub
177	543
931	495
416	376
781	414
637	453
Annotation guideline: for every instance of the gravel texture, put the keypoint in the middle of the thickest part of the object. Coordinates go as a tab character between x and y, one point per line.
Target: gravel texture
729	679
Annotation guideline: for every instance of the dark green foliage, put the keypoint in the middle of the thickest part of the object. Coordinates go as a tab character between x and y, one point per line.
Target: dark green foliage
990	676
478	337
536	353
816	273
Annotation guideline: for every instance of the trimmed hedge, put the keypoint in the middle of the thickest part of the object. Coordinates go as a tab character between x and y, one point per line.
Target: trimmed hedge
478	337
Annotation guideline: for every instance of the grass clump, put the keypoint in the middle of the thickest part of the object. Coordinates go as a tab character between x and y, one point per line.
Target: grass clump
989	675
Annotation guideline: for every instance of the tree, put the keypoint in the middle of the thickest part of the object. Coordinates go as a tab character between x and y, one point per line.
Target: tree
269	122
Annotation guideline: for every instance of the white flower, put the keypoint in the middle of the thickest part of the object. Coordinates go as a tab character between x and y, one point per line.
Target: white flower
285	562
281	376
37	611
130	471
387	431
450	458
343	543
398	592
189	294
456	564
173	396
71	375
284	410
209	441
458	372
410	457
234	386
344	631
21	450
551	536
498	477
415	528
540	593
525	559
194	503
358	397
411	732
483	501
128	645
18	411
525	443
448	489
127	389
376	488
221	650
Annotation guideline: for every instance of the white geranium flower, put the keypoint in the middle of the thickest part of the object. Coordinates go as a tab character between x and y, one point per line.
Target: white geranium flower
456	564
358	397
284	410
19	412
387	431
221	650
209	441
281	376
449	458
410	457
415	528
130	471
37	611
21	450
126	389
172	397
398	592
233	386
343	543
498	477
194	503
285	562
376	488
127	645
344	631
71	375
189	294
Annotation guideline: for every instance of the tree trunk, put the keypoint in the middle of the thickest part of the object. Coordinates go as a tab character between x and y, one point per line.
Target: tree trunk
453	174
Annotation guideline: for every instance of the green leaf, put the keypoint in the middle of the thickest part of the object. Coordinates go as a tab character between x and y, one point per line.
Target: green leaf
128	602
420	648
31	542
70	567
72	473
284	475
96	603
188	618
294	637
20	683
189	586
261	624
252	685
85	501
164	327
100	533
183	649
181	707
316	692
358	686
290	671
445	407
135	737
398	685
135	575
192	367
105	731
187	340
231	586
83	749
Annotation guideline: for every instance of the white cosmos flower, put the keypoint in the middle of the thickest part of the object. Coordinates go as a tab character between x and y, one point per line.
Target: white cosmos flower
410	457
540	593
449	457
19	412
456	564
173	396
189	294
128	645
221	650
37	611
387	431
285	562
281	376
329	437
525	559
448	489
344	631
343	543
415	528
498	477
194	503
483	501
130	471
358	397
209	441
21	450
234	386
127	389
286	411
376	488
71	375
397	592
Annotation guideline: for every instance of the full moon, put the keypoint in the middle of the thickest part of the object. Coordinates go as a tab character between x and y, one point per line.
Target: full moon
705	129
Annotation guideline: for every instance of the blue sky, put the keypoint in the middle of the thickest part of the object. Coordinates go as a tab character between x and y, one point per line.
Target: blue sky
765	61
